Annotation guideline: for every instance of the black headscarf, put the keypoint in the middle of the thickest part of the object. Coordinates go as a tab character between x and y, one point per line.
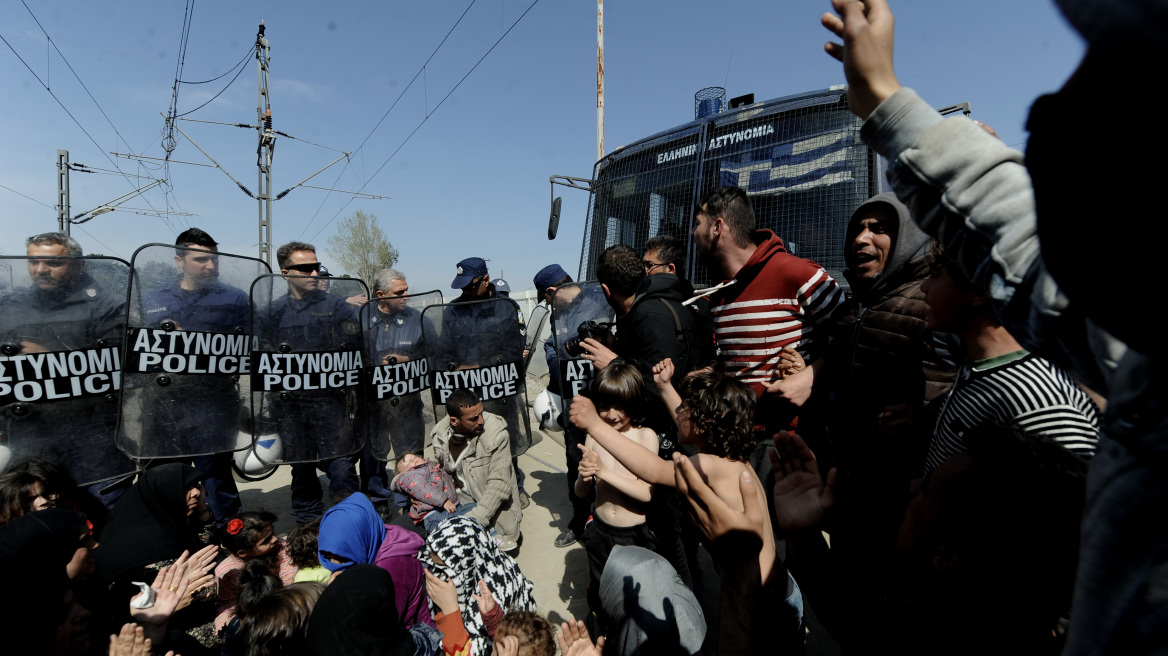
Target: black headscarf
357	614
52	533
149	523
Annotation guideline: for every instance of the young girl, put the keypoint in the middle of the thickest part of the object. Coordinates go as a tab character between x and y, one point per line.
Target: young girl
249	536
621	498
714	413
302	548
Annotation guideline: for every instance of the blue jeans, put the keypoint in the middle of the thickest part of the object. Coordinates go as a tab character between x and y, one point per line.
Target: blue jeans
431	521
373	477
307	504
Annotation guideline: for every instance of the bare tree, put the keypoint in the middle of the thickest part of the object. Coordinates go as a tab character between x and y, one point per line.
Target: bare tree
360	247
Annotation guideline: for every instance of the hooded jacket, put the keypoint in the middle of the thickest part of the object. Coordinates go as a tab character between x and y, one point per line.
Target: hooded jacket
776	300
882	352
649	332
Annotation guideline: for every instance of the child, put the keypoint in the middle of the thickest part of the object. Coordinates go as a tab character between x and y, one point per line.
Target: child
714	413
249	536
431	490
621	498
526	634
302	550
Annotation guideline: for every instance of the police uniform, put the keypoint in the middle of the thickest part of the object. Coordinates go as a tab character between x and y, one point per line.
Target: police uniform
399	333
315	425
199	413
76	433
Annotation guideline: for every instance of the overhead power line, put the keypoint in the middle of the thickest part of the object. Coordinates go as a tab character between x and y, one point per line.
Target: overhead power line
74	119
383	116
28	197
429	114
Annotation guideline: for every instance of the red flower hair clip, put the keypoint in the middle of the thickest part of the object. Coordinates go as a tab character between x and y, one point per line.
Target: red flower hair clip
234	526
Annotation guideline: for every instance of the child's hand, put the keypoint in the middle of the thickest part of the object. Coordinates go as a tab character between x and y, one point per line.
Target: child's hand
574	640
589	464
663	372
506	646
583	413
790	362
485	599
449	506
443	593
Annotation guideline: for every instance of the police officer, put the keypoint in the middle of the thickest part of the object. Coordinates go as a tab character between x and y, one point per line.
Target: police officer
570	310
395	331
470	335
201	412
63	309
308	319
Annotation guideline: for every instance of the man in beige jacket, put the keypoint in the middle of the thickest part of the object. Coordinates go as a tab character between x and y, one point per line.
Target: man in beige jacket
474	447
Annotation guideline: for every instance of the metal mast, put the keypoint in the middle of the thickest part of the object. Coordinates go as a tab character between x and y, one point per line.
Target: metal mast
63	222
599	80
267	144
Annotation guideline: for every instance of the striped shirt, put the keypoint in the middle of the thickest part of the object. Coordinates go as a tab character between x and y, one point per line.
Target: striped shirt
777	300
1018	389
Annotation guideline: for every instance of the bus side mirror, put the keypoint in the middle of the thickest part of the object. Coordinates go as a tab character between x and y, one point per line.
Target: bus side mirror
554	220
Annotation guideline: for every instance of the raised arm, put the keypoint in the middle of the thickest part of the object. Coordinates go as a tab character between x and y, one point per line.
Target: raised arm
643	463
663	376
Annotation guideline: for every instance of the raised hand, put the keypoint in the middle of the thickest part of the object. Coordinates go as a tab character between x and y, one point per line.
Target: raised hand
663	372
802	498
130	641
507	646
442	592
198	572
866	28
589	464
583	413
574	640
484	597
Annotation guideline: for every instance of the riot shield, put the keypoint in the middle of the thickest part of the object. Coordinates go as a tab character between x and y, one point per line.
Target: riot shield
188	352
579	311
537	331
477	345
397	374
62	330
306	367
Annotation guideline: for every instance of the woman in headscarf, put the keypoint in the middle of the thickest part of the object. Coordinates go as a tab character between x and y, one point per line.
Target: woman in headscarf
352	533
357	614
164	514
461	551
63	535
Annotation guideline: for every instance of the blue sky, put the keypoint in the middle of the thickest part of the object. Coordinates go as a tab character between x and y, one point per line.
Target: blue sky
472	181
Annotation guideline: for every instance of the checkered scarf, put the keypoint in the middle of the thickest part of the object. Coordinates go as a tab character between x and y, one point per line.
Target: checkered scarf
469	554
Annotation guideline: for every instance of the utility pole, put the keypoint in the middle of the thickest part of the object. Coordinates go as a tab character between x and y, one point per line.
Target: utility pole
599	80
267	144
63	222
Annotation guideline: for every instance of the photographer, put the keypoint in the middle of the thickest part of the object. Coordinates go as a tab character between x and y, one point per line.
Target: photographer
651	325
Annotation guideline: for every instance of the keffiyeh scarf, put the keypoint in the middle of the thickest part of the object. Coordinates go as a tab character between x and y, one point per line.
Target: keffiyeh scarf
469	554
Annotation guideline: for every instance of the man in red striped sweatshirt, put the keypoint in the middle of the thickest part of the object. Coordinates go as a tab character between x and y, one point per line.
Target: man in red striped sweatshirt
773	299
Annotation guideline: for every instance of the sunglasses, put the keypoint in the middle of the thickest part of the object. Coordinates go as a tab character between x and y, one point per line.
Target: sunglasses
311	267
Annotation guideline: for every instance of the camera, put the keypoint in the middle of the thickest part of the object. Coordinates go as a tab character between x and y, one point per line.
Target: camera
600	331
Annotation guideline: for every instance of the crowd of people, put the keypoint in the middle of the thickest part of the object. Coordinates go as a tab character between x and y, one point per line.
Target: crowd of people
963	453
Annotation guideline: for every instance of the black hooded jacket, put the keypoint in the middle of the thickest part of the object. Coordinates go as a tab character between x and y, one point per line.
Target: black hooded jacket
882	352
658	326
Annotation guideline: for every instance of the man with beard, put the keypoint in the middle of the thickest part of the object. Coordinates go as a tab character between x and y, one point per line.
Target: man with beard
886	380
769	299
64	309
473	447
199	410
